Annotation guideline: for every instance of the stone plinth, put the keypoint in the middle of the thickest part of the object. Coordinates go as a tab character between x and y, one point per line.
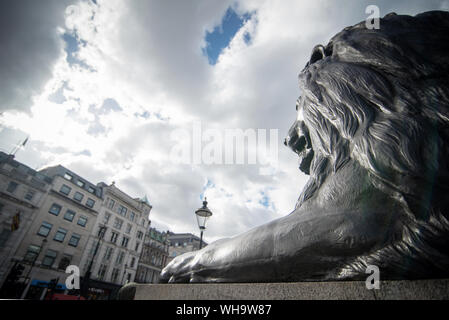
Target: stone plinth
338	290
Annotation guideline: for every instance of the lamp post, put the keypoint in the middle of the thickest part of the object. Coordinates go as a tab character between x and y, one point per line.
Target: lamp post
28	276
202	214
124	272
85	286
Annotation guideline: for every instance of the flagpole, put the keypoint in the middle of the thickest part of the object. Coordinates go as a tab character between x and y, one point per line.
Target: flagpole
17	147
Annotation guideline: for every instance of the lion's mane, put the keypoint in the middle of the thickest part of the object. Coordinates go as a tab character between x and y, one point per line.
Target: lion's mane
381	97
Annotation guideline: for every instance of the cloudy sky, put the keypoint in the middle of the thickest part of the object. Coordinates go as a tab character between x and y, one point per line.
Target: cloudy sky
110	88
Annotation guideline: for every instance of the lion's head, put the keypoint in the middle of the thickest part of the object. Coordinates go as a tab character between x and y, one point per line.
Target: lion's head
381	98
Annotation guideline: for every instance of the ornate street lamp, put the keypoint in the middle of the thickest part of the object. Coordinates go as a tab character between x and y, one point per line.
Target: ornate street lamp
202	214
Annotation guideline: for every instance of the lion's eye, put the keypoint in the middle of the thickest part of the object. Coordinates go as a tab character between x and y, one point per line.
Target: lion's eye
317	54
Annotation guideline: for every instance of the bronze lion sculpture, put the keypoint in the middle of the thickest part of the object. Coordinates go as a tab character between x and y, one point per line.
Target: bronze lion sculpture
373	134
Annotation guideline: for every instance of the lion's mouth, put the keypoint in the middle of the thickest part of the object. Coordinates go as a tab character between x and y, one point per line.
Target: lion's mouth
298	140
305	160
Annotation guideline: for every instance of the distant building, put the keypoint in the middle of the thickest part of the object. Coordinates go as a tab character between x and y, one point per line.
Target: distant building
22	193
119	233
154	256
180	243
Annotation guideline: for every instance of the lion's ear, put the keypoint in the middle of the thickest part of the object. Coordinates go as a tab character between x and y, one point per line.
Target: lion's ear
389	15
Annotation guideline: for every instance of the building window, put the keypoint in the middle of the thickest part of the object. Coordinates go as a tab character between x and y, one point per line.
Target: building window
55	209
90	203
45	228
92	249
78	196
64	262
29	195
49	258
114	236
121	210
82	221
65	189
80	183
91	189
118	223
139	235
128	228
120	257
60	235
125	242
4	236
133	261
115	274
132	215
74	240
108	253
137	246
68	176
12	186
69	215
111	204
102	271
32	253
141	274
107	216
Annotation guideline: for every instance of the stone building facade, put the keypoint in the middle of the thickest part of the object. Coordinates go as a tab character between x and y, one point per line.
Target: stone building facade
154	256
53	218
22	193
180	243
60	231
119	233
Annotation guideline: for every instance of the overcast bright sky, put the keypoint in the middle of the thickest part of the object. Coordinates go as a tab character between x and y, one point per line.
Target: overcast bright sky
100	87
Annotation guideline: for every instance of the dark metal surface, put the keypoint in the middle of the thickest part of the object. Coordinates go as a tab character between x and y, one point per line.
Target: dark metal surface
127	292
375	141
